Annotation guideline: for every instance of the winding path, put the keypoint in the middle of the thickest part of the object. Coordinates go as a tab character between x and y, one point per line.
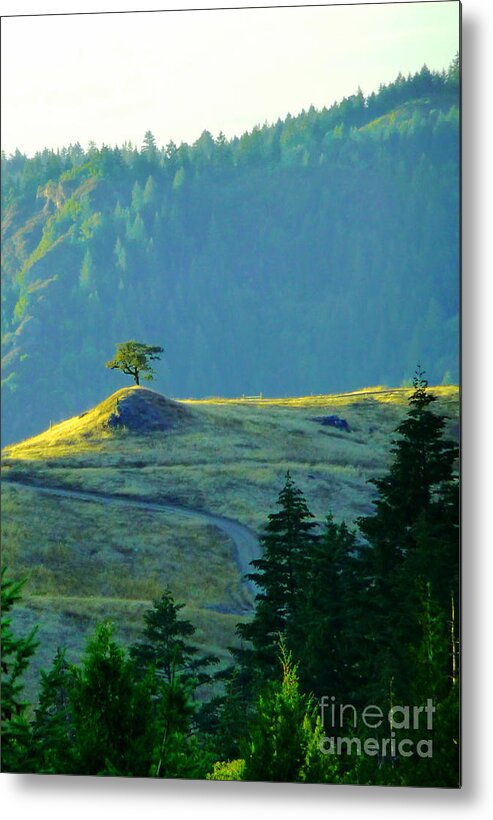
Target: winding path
245	541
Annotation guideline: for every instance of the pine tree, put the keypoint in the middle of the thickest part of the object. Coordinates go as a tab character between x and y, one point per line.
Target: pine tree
225	718
412	538
280	574
435	678
137	197
16	655
178	752
52	727
149	144
177	670
326	634
165	648
112	713
121	256
284	742
150	191
86	276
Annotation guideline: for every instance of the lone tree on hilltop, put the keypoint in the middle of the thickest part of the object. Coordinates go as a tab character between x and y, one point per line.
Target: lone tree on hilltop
133	358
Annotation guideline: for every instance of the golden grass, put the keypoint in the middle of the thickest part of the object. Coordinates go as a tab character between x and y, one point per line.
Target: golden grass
88	432
68	547
233	456
381	393
81	430
85	561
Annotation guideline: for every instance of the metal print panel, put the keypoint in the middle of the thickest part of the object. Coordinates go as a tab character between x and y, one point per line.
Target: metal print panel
230	328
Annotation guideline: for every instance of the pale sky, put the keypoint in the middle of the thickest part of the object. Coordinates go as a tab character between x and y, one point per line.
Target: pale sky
111	77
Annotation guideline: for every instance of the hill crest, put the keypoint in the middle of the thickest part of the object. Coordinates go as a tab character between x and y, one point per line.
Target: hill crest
134	409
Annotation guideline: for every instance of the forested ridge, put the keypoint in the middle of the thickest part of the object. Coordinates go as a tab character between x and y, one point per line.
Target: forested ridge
316	254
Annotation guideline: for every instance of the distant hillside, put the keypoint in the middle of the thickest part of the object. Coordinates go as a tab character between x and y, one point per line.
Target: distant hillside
315	254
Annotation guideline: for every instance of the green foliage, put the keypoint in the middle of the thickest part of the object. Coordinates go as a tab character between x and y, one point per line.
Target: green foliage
150	191
137	197
376	621
149	144
178	752
16	655
133	358
431	656
179	179
136	231
165	649
120	254
341	199
165	657
412	536
20	308
280	575
227	770
284	744
108	715
86	276
90	225
324	636
52	749
225	719
112	714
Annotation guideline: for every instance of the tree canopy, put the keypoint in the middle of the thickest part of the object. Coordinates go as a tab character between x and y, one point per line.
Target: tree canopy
133	359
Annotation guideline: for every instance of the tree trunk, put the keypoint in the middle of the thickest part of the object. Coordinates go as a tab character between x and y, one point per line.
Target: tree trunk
136	378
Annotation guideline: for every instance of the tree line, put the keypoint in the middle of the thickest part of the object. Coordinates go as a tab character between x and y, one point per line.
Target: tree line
265	262
358	618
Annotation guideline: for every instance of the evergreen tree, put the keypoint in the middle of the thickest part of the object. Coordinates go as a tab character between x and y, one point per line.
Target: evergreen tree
53	728
326	634
113	715
121	256
284	742
166	657
136	231
86	276
412	538
165	648
178	752
280	574
16	655
150	191
149	144
137	197
224	720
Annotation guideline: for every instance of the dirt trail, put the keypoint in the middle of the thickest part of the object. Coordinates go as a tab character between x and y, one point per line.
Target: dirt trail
245	541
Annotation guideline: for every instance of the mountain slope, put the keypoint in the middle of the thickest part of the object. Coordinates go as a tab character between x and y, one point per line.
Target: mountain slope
315	254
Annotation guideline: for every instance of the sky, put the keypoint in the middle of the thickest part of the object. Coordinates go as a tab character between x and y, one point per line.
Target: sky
109	78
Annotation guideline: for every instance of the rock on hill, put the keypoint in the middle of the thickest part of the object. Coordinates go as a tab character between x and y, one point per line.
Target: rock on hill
143	411
134	409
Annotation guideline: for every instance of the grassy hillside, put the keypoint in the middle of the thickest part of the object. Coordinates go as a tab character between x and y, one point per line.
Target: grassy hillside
85	560
257	263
